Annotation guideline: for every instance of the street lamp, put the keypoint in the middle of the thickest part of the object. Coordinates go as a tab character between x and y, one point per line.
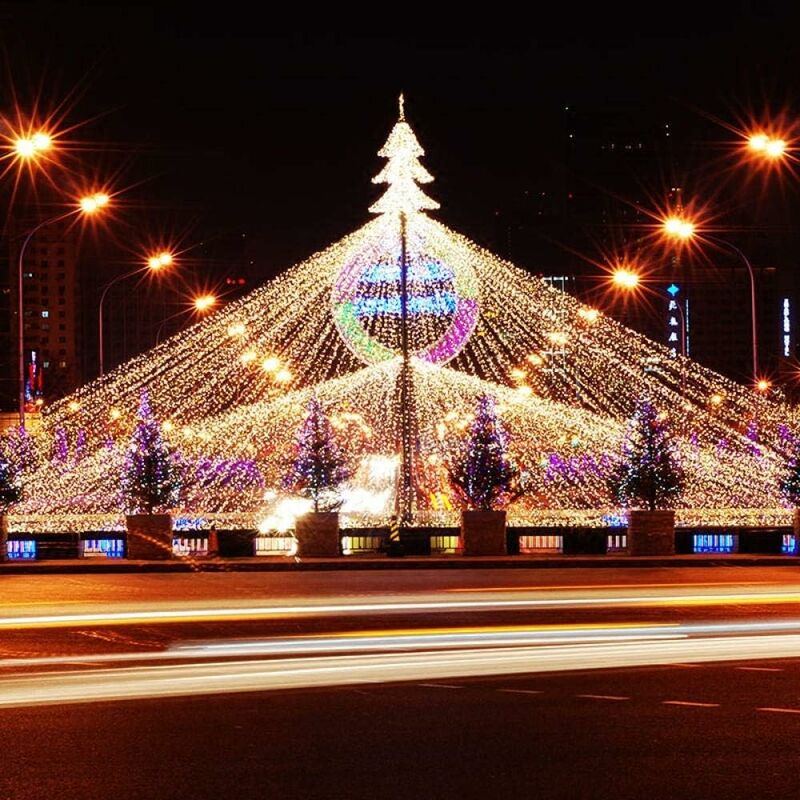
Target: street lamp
765	146
154	264
681	229
88	205
625	278
201	304
32	146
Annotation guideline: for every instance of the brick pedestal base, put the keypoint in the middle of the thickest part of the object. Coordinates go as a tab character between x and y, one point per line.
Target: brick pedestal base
483	533
318	535
651	533
149	536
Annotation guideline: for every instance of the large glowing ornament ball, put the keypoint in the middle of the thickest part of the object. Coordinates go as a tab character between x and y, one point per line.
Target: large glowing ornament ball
442	307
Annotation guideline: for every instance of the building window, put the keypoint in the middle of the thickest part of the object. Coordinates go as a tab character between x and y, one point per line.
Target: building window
62	364
45	314
62	339
60	262
62	327
44	263
45	364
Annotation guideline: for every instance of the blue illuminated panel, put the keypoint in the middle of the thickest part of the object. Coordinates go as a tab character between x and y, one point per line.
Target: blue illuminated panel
21	549
789	545
104	548
712	543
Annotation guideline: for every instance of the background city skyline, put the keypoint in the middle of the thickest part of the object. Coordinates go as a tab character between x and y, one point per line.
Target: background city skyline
250	149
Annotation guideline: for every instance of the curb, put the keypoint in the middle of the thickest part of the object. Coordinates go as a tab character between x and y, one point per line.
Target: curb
356	564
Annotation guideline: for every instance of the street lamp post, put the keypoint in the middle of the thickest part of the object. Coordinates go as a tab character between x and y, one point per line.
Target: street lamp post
681	229
753	310
201	304
627	280
88	205
154	263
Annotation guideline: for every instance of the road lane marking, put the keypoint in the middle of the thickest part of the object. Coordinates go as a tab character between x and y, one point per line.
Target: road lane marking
689	703
440	686
781	710
567	587
521	691
210	614
602	697
760	669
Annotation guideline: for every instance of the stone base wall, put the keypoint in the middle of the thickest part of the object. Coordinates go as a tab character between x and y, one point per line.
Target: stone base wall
483	533
318	535
651	533
149	536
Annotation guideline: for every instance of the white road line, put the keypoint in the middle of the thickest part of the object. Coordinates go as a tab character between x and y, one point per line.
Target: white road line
689	703
781	710
760	669
602	696
440	686
521	691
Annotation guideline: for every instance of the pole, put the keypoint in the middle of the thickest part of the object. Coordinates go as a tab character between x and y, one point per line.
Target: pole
406	466
21	309
100	312
753	312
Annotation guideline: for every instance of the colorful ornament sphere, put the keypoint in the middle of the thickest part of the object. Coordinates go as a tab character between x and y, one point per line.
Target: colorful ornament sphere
442	306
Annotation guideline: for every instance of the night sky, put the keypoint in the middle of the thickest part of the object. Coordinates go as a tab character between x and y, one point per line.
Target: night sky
268	122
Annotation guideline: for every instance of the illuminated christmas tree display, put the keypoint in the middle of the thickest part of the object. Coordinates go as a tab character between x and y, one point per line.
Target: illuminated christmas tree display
482	472
10	488
318	468
398	329
150	476
649	475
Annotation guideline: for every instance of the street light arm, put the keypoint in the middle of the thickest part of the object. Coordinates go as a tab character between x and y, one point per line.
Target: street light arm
753	313
103	294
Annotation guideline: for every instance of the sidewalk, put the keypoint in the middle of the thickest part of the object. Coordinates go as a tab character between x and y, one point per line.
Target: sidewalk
358	563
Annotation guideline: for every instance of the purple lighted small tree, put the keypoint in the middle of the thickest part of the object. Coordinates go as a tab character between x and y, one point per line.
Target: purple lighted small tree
150	475
318	468
482	471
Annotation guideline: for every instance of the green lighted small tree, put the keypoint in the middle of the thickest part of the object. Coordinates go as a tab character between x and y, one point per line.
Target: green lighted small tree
318	468
482	472
649	475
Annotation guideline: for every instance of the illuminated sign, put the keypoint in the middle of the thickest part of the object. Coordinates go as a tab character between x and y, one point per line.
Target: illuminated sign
787	327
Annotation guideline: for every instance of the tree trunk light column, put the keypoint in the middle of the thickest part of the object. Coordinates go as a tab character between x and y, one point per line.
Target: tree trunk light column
318	535
651	533
406	398
149	536
483	533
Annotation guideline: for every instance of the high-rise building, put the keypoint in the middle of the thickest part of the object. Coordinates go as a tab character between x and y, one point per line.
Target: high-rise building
52	311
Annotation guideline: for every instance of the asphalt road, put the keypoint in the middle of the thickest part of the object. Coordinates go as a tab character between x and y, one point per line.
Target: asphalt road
557	683
722	731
